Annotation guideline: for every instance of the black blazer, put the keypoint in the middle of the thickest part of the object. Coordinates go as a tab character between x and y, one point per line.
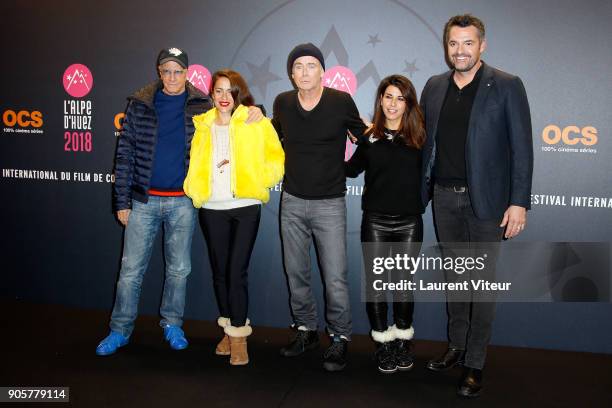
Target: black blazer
498	148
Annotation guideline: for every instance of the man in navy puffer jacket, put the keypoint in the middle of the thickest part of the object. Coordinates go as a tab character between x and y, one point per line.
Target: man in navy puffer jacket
150	166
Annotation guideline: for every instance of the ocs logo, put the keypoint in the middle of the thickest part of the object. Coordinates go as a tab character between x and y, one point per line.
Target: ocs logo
22	118
570	135
77	80
118	122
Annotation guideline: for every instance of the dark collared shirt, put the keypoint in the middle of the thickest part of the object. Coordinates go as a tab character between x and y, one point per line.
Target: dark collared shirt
452	132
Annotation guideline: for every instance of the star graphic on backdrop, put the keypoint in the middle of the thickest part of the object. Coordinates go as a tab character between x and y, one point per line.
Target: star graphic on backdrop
410	67
373	40
261	76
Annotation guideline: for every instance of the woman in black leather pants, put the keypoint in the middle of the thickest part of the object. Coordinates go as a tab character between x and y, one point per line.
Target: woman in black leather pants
392	208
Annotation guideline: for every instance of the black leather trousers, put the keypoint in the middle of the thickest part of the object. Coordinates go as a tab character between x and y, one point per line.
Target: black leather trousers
383	229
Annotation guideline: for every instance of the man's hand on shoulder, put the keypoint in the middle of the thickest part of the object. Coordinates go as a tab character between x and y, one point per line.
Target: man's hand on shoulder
354	139
255	115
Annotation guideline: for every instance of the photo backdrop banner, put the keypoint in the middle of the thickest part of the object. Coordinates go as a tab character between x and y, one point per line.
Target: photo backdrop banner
69	65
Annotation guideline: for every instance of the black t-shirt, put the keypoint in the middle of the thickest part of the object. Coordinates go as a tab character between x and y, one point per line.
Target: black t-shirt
315	141
451	136
392	176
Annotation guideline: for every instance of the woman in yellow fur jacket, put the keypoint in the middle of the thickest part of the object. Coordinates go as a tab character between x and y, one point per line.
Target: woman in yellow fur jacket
233	164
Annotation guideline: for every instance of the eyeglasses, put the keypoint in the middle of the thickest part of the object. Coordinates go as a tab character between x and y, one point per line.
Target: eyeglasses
168	72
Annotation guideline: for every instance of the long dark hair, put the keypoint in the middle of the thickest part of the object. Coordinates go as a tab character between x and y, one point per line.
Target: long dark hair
412	125
239	89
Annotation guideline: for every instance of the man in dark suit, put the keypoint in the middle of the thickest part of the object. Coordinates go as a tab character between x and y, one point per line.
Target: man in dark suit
478	162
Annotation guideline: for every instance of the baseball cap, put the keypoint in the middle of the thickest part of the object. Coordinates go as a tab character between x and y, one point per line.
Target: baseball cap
173	54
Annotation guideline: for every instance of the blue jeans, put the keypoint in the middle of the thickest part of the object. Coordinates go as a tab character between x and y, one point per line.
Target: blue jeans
325	221
178	217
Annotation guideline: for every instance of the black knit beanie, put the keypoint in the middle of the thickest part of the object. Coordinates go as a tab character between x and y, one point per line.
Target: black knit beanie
303	50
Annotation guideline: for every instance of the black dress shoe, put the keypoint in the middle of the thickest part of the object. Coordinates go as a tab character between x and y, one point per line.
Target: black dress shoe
453	357
471	383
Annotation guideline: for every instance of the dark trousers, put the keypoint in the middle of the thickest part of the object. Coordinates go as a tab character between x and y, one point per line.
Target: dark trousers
384	229
230	237
469	322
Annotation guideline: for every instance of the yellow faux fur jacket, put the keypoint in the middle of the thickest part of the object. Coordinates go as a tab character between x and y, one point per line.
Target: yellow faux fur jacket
256	156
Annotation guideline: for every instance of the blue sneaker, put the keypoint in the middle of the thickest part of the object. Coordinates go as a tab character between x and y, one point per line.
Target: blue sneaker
176	337
111	343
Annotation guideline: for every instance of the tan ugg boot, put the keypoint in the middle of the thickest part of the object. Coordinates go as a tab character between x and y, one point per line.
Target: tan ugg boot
223	348
238	343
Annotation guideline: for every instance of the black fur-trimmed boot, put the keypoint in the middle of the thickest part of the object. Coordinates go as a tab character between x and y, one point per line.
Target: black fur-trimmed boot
385	352
403	348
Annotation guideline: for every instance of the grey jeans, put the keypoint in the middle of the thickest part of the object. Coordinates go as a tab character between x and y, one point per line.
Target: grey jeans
325	221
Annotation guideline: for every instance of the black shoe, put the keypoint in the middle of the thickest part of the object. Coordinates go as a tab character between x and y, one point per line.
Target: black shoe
471	383
403	354
385	358
304	340
453	357
334	358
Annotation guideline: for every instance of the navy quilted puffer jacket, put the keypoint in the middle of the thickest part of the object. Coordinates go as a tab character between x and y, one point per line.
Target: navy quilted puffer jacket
136	145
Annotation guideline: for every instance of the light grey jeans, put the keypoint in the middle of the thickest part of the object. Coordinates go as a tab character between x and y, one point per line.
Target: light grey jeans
325	221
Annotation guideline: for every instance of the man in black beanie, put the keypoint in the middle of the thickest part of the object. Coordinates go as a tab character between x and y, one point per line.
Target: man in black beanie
312	122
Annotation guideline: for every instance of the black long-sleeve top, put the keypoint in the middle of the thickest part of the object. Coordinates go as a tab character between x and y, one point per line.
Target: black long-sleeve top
392	176
314	142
